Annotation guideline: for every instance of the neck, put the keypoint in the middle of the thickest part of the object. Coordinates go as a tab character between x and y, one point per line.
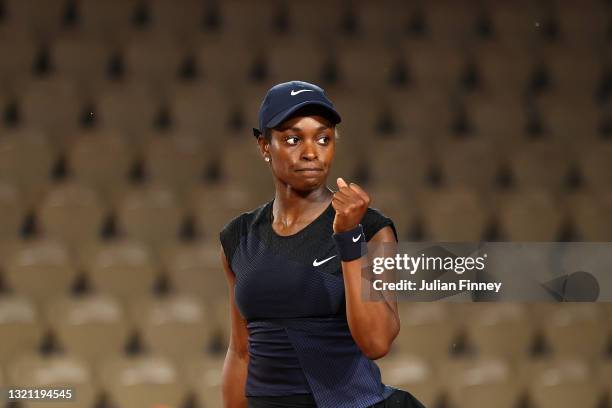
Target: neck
291	206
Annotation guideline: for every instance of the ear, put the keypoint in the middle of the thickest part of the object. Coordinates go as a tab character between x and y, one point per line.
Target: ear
264	146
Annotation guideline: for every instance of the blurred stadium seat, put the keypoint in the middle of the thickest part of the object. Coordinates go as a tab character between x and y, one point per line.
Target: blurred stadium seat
530	215
21	327
179	161
32	147
41	270
213	206
183	20
73	213
194	269
153	59
204	375
591	213
109	20
151	214
585	319
53	105
427	330
122	268
502	330
43	20
562	383
176	326
16	71
131	108
143	381
83	59
56	371
595	165
481	383
455	214
402	164
103	161
413	373
472	163
541	165
12	212
91	326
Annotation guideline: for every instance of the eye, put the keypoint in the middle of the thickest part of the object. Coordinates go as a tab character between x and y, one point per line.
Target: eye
323	140
292	140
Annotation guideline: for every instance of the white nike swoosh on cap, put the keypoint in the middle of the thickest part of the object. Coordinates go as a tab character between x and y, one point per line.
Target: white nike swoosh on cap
293	93
355	239
317	263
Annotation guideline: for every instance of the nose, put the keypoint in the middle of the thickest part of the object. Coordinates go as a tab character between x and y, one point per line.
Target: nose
309	151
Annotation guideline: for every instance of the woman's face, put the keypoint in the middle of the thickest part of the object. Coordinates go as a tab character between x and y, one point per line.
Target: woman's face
301	151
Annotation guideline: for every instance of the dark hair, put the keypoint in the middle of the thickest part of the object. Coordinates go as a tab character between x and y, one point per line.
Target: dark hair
267	134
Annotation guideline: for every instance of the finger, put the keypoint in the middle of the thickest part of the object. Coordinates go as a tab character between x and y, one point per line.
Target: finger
360	191
343	186
341	206
347	195
352	196
338	205
340	199
348	203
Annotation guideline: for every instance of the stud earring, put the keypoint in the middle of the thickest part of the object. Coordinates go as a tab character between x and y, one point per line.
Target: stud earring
267	159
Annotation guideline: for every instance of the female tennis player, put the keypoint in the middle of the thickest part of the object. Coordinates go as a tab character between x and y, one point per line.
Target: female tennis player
301	334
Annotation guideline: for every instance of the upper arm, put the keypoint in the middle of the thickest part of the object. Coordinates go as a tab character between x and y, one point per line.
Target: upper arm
239	333
386	235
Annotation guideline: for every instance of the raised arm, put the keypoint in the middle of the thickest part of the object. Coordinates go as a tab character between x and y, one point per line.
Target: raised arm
373	324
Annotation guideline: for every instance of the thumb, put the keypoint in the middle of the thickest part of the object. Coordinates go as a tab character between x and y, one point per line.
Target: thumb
341	182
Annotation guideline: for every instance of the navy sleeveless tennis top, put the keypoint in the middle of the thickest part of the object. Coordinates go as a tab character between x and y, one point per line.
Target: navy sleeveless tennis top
290	290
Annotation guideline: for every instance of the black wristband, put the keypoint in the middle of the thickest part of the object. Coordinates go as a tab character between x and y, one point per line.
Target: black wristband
349	243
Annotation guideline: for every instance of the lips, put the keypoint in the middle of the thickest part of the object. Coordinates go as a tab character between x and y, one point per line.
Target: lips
310	171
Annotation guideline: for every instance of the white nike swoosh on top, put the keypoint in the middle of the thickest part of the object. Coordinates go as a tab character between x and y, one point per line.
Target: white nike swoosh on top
293	93
355	239
317	263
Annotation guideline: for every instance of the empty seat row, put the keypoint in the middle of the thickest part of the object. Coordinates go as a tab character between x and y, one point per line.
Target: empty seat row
148	380
140	381
460	215
482	164
161	61
486	382
44	268
440	21
94	326
110	162
104	161
180	325
213	111
155	215
433	330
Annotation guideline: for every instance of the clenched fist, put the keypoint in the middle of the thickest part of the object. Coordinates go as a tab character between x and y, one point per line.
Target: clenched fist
350	203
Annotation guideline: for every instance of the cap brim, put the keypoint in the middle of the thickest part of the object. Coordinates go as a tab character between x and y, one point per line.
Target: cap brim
281	116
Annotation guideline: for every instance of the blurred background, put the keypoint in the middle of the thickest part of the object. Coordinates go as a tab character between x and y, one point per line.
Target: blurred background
126	145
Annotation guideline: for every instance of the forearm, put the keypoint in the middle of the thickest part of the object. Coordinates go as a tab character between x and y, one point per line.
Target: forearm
234	379
373	324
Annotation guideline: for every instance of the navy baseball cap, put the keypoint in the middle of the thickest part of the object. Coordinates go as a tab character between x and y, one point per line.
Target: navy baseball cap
285	98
